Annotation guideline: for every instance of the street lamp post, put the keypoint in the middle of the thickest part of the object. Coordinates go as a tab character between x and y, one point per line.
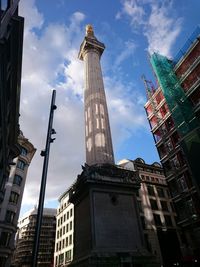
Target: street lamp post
45	154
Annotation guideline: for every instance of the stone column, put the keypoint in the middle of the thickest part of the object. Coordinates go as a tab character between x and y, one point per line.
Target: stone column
98	140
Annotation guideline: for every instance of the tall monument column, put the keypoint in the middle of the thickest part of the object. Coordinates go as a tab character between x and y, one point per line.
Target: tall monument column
98	140
107	227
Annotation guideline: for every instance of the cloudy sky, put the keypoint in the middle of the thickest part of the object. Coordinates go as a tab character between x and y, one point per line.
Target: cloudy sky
53	33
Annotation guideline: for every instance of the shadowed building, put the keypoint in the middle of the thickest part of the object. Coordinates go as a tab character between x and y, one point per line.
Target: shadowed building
25	236
158	217
107	228
11	42
10	207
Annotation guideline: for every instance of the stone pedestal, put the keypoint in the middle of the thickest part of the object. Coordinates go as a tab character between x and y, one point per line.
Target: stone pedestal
107	228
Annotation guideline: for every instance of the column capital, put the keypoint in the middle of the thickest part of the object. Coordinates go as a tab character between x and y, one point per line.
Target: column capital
90	42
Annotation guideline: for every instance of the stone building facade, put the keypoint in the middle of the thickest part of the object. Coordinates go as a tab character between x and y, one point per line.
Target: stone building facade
156	212
63	253
10	207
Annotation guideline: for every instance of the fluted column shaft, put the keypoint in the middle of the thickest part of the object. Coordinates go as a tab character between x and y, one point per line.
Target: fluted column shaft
98	140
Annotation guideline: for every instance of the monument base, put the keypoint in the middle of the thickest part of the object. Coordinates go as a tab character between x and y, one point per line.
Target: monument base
107	227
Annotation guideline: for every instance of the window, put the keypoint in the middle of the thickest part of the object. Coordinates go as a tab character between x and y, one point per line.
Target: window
175	162
68	215
157	220
17	180
71	225
169	123
169	145
70	239
71	213
5	239
64	217
168	220
57	234
10	215
61	258
67	256
63	243
150	190
154	205
21	164
164	205
24	151
63	230
66	241
182	184
13	197
161	192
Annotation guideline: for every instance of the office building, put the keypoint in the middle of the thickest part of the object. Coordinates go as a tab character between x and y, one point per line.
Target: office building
64	243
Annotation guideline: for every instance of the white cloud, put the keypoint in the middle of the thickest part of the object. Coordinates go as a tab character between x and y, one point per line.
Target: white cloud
50	61
125	109
128	50
159	26
34	19
47	59
161	30
135	11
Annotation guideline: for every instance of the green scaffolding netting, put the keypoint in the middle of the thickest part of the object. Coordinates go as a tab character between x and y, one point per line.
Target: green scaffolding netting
180	107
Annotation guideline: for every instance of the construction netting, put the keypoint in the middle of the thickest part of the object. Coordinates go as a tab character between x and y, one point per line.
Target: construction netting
180	107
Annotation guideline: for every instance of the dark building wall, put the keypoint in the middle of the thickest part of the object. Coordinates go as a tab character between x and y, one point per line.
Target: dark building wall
25	238
11	42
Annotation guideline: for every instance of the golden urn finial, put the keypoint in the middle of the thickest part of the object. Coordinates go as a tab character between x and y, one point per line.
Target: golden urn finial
89	29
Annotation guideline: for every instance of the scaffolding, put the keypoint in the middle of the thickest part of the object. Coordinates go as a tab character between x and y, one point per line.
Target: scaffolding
180	107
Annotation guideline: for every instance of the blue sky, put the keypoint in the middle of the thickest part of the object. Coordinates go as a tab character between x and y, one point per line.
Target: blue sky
54	31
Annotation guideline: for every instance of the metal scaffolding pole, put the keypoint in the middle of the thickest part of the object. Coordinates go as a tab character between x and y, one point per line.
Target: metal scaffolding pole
45	154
